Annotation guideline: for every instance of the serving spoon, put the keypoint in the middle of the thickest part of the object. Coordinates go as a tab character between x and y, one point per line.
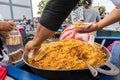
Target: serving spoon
103	42
92	70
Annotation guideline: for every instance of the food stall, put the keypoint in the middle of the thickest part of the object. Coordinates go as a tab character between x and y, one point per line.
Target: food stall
23	69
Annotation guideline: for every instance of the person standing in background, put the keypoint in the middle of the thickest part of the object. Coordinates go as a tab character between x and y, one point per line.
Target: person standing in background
101	12
85	13
90	14
24	18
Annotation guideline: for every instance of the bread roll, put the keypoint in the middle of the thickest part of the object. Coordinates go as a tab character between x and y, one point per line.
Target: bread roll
14	40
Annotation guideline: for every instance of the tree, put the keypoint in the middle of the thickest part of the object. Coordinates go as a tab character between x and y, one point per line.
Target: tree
103	7
43	3
41	6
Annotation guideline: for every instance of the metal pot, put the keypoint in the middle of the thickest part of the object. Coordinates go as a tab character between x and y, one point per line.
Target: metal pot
78	74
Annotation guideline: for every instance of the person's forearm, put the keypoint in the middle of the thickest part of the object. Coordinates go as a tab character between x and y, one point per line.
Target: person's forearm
41	34
113	17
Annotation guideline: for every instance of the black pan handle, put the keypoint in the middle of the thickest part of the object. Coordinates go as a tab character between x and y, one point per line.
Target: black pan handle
112	72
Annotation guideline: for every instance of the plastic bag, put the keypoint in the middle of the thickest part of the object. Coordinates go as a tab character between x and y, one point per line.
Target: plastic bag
4	58
14	38
70	32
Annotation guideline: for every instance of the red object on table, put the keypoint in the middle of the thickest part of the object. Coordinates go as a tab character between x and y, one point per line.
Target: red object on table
21	30
3	72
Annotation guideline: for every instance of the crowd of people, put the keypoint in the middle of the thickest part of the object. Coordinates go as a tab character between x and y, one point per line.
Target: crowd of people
85	13
27	24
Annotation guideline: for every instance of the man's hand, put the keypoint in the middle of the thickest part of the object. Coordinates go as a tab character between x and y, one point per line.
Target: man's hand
90	28
5	26
31	45
12	23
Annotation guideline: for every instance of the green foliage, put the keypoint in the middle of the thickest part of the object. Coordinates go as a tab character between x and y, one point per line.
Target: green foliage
96	7
41	6
103	7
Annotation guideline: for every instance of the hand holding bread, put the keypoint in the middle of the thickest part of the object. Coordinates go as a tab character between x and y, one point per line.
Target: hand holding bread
6	27
12	24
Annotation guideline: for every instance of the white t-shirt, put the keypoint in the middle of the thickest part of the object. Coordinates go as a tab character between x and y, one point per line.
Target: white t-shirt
116	3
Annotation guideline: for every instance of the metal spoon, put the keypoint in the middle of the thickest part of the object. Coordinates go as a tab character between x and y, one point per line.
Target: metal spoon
92	70
92	39
103	42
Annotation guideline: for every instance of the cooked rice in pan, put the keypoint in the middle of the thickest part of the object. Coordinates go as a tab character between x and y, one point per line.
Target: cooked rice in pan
64	55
